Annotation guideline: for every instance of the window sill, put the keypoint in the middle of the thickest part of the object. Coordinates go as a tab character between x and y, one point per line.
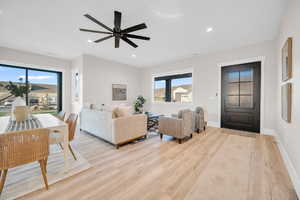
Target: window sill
172	103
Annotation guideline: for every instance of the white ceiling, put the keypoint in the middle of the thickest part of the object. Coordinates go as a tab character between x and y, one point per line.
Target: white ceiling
177	27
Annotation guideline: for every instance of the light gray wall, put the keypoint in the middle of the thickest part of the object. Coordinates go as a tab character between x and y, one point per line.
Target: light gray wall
32	60
206	81
98	75
77	67
290	133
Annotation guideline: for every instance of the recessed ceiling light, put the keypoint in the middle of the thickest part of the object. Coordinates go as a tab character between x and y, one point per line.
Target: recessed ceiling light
209	29
90	41
133	55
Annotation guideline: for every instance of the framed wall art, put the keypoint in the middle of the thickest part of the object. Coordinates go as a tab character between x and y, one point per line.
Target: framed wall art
286	102
287	60
119	92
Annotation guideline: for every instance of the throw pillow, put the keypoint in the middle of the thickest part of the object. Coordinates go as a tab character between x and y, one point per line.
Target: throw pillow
123	111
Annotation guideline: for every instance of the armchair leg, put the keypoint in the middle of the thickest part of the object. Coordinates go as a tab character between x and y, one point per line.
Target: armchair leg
117	146
161	136
3	177
191	135
71	150
43	169
179	141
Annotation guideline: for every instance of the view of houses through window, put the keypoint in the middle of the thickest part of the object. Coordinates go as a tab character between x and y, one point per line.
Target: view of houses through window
42	95
174	88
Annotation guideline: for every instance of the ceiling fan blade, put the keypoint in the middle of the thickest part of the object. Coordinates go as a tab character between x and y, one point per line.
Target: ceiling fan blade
118	16
129	42
105	38
97	22
117	42
88	30
134	28
136	36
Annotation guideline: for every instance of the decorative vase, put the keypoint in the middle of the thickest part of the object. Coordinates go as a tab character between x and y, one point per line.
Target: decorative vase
18	115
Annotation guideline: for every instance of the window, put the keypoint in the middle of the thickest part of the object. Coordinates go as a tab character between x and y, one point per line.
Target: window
174	88
160	90
43	95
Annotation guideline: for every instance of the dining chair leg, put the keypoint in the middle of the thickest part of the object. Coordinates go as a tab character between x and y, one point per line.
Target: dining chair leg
70	148
3	177
43	169
61	146
46	162
0	173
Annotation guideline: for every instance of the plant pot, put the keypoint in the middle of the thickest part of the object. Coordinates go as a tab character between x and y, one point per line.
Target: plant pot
21	113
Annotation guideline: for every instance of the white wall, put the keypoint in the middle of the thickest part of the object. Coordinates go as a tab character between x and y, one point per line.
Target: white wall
98	75
206	81
289	134
32	60
77	67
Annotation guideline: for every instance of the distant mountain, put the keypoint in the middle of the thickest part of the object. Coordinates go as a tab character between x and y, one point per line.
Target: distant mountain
35	88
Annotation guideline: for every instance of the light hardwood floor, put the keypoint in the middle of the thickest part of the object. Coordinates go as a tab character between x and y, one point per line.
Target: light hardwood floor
222	165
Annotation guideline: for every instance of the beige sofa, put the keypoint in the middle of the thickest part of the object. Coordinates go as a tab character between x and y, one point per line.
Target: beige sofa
116	130
129	128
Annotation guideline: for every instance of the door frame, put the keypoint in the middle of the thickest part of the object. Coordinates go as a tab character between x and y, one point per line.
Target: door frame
260	59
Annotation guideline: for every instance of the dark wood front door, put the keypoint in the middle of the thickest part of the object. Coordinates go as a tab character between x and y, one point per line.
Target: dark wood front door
241	97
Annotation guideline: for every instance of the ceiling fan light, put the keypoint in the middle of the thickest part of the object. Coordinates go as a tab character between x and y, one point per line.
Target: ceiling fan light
209	29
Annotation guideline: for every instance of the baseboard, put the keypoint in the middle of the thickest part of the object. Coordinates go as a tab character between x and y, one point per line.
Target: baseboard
266	131
289	165
213	124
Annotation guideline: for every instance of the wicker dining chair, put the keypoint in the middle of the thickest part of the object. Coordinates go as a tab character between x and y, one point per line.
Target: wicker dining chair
22	147
57	138
61	115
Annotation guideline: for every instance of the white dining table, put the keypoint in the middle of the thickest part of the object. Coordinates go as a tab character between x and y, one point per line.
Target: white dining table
47	121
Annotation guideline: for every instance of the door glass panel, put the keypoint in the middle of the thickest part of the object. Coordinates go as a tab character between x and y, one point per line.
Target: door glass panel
246	88
233	76
14	77
43	97
246	75
233	88
246	101
233	100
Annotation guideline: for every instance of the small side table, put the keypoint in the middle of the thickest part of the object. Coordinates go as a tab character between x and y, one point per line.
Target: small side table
152	121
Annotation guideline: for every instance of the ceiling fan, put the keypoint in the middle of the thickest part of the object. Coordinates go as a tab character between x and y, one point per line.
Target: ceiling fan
117	32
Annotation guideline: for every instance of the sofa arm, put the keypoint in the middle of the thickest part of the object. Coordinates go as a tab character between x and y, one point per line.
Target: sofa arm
171	126
128	128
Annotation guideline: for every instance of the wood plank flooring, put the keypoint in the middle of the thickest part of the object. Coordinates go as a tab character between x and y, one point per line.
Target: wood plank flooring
223	164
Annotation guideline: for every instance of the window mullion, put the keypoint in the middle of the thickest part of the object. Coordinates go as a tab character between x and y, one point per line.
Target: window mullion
168	90
27	85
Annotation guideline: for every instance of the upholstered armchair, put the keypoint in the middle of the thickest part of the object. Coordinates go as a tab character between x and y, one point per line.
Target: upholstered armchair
199	119
178	127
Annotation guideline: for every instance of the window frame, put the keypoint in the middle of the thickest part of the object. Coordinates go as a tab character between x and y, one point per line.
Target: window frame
168	87
59	82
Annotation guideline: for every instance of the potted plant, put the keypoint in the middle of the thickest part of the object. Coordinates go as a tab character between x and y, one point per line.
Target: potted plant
139	103
18	90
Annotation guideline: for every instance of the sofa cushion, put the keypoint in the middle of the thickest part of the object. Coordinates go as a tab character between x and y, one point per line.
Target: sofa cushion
123	111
